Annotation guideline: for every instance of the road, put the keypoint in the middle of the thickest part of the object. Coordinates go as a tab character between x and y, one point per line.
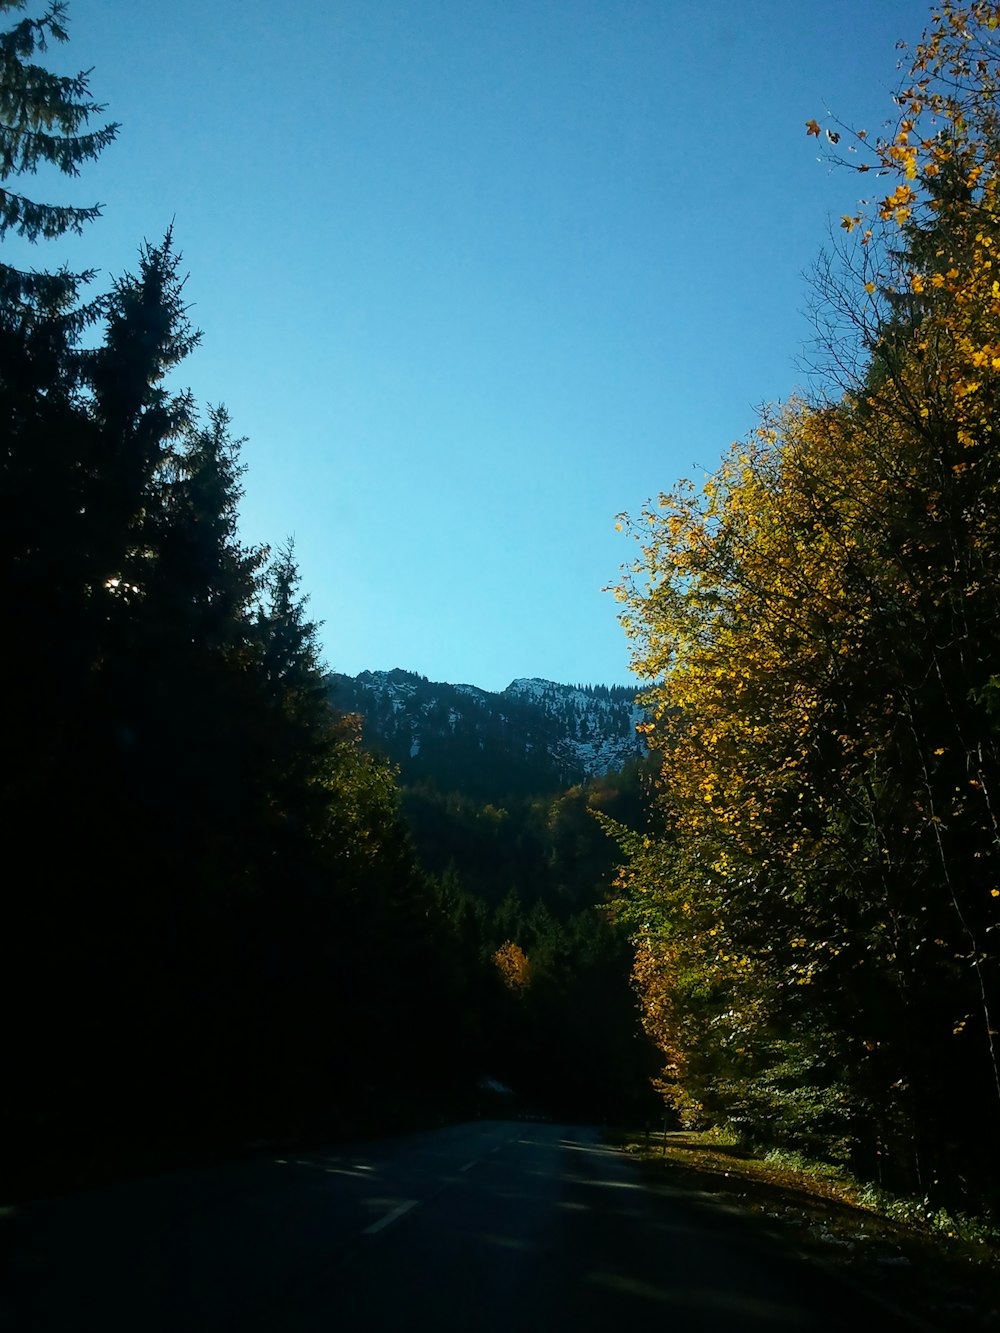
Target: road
472	1228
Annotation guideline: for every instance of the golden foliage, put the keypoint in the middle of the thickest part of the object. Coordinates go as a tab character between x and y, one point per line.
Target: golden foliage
819	624
512	963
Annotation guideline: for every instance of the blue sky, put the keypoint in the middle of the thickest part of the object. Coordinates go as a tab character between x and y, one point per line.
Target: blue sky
475	276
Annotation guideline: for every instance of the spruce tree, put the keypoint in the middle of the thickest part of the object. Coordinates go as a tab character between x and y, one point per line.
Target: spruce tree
44	121
48	448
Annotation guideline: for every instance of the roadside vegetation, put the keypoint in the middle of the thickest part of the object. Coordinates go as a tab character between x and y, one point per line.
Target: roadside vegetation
943	1270
817	917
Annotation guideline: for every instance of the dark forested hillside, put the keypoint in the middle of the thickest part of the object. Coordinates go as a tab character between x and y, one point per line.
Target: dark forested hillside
527	889
498	787
501	795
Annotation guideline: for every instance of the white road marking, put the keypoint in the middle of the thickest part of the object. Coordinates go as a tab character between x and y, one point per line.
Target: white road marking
389	1218
467	1167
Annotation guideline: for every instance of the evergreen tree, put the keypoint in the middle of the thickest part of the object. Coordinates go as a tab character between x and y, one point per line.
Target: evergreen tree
44	121
48	449
218	925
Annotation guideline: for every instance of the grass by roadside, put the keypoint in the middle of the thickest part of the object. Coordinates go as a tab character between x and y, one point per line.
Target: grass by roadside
950	1282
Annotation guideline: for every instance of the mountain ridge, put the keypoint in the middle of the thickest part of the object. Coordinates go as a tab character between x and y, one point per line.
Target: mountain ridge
535	735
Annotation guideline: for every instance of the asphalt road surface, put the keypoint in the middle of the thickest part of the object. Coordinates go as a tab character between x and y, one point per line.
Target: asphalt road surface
473	1228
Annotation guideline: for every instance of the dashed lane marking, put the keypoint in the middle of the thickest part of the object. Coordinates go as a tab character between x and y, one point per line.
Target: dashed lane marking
389	1218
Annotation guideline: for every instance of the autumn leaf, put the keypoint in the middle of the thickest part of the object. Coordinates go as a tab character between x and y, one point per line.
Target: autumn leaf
812	127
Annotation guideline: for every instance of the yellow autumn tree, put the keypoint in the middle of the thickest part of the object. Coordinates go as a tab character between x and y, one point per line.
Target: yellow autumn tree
512	963
819	624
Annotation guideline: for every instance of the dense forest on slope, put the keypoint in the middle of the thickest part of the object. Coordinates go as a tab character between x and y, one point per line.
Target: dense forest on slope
817	919
524	870
500	788
526	885
218	929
